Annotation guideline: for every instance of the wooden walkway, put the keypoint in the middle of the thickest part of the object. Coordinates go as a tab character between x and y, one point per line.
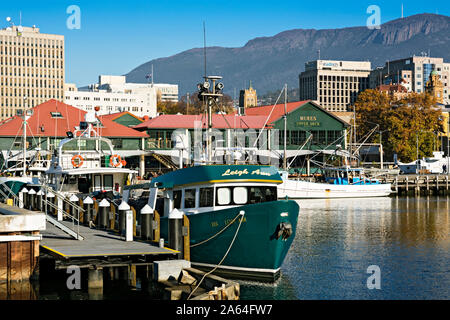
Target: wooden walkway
100	244
419	183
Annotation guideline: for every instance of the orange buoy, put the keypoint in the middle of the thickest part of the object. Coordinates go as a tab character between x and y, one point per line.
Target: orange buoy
77	161
115	160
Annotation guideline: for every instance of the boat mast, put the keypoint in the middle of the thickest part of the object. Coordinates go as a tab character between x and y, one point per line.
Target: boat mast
24	173
210	94
285	127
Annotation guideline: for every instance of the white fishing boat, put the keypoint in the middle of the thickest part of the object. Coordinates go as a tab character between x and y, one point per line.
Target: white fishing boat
21	167
343	182
89	168
435	164
337	183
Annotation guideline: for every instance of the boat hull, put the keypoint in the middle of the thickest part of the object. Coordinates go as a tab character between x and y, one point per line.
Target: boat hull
298	189
15	183
256	253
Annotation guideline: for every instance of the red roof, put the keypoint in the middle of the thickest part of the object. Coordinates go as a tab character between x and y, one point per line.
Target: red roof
278	110
114	116
69	119
219	122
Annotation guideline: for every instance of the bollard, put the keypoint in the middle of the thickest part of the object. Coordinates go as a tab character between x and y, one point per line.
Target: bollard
39	206
88	216
60	205
103	215
123	208
176	231
23	196
32	199
73	199
147	223
161	242
52	199
129	225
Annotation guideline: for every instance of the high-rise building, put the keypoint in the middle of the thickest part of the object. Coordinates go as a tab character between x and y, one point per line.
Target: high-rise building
413	73
31	69
334	85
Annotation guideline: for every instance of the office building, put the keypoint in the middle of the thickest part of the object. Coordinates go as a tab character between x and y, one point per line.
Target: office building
333	84
31	69
413	73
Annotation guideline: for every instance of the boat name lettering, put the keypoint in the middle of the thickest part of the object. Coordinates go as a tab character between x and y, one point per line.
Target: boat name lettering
228	221
258	172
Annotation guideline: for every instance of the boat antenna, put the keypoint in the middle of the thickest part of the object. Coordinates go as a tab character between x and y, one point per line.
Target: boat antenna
204	47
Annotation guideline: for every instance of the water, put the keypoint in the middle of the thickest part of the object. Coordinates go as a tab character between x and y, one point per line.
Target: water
337	240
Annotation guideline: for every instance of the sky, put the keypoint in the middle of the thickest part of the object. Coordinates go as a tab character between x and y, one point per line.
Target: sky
115	37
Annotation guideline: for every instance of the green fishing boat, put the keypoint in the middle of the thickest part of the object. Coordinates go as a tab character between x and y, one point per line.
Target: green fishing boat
237	224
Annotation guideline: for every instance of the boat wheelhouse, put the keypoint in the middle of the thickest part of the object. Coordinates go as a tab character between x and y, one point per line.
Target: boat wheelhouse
87	164
211	197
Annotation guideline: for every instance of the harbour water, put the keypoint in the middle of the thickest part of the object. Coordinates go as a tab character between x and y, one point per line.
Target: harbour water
336	241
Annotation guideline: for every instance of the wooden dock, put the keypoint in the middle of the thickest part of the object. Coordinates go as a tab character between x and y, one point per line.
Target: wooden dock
419	184
99	248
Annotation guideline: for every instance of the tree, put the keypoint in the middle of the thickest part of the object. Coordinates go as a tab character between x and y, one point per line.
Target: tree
407	122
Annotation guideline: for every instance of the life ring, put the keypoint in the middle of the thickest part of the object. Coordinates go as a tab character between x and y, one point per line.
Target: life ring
77	161
115	160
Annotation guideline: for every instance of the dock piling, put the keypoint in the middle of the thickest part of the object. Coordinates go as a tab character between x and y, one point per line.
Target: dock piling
87	205
103	215
147	223
123	208
176	231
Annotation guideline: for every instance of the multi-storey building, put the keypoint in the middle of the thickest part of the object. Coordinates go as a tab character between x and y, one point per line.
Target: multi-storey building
167	92
112	94
413	73
31	69
334	85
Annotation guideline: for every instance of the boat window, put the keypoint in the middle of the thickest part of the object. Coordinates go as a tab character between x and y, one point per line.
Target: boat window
97	182
262	194
71	180
108	182
206	197
223	196
177	199
189	198
240	195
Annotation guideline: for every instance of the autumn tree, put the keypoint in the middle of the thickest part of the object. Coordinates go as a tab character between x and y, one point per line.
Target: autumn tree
402	123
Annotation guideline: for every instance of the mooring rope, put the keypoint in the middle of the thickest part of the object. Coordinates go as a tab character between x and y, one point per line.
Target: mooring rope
242	213
215	235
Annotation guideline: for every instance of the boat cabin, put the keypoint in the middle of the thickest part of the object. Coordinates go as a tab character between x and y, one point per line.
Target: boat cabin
209	188
347	176
88	171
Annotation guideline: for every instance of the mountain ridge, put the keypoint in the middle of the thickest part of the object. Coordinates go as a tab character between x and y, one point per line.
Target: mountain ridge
271	61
